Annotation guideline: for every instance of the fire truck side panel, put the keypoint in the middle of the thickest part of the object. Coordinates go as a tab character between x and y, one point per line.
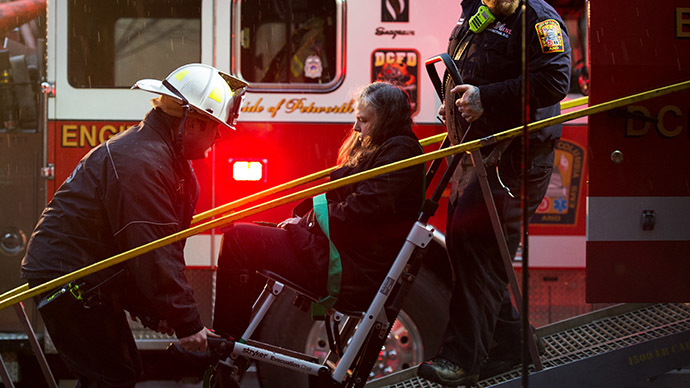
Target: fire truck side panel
21	198
639	192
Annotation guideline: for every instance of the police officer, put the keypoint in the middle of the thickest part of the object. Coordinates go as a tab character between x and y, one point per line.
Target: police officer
135	188
486	46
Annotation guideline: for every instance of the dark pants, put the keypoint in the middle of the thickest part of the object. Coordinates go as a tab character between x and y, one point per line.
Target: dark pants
95	343
247	248
480	307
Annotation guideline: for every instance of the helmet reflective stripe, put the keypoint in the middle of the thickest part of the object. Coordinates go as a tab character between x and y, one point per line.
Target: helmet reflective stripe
208	91
181	74
215	95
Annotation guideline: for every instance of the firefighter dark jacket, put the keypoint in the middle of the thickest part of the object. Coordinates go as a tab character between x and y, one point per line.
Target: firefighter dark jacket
131	190
492	61
368	221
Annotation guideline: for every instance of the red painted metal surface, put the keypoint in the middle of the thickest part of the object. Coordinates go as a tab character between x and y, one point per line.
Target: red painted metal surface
15	13
639	154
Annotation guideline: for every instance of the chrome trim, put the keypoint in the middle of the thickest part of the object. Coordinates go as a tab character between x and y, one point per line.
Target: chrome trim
620	218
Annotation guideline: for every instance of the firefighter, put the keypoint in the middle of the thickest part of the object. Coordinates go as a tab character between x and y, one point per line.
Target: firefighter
361	226
135	188
486	46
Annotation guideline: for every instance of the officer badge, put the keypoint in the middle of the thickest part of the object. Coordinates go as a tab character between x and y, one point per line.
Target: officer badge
550	36
313	67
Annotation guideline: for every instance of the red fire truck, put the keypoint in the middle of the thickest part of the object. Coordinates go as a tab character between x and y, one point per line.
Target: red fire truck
66	72
304	60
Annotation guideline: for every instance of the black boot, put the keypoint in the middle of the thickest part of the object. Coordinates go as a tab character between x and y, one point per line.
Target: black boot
501	362
445	372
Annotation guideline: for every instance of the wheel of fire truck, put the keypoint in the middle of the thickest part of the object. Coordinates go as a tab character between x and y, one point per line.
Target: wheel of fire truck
415	336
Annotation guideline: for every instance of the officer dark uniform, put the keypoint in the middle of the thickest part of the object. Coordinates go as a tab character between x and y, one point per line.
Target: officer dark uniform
480	309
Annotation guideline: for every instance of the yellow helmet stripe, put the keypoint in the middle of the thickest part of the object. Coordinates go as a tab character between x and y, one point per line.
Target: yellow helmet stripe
215	95
181	74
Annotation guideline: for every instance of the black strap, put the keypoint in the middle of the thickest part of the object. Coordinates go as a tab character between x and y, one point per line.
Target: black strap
179	144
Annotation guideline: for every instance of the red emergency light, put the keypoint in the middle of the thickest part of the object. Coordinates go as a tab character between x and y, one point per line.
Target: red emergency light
253	170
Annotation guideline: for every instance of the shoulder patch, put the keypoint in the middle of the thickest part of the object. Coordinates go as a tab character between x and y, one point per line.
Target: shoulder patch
550	36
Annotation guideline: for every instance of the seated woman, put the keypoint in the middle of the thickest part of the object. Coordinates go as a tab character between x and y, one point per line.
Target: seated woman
367	221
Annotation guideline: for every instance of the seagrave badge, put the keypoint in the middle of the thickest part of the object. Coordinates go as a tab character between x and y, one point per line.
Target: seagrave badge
550	36
395	11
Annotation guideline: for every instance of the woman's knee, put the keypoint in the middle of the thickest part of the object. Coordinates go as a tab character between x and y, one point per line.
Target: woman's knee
229	254
236	246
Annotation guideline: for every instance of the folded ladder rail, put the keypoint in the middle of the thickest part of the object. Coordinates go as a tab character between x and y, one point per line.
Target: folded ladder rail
479	163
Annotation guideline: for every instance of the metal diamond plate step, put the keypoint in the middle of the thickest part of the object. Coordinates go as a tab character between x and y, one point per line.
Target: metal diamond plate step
150	340
608	347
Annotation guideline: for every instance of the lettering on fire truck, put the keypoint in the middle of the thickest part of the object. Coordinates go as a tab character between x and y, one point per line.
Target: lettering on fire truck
408	58
683	23
298	105
669	121
88	135
393	33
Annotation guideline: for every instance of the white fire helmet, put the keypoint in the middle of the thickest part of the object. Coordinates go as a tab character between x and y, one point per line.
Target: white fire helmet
207	90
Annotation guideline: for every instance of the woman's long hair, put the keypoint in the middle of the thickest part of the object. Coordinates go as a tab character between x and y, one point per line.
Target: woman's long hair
391	105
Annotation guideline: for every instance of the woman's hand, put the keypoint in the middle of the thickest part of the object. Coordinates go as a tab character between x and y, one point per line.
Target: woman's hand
291	220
